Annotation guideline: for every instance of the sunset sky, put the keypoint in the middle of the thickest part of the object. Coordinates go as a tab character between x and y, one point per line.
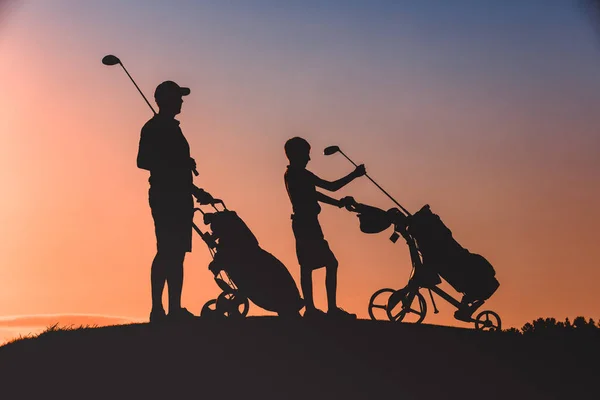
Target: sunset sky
486	110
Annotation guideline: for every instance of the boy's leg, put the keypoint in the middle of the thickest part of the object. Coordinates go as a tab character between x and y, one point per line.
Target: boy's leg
310	310
307	234
307	288
331	284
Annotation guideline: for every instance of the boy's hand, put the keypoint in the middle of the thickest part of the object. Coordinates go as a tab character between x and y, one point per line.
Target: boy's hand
347	202
360	171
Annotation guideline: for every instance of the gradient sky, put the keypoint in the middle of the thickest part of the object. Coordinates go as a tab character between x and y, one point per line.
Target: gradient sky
486	110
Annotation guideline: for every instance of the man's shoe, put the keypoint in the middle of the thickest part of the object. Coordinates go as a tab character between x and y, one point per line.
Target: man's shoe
181	314
339	313
158	315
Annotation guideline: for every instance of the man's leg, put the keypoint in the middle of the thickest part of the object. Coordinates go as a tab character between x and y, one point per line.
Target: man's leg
158	276
180	242
175	280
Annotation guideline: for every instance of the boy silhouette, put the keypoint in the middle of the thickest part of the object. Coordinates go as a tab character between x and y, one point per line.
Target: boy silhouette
312	249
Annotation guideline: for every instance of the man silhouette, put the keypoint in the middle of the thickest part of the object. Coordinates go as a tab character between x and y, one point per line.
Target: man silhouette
165	152
312	249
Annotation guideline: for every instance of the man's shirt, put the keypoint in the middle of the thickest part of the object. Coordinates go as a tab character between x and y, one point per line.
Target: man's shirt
300	185
165	152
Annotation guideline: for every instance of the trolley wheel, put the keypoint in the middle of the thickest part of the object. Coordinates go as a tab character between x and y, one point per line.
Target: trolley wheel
383	299
488	321
407	310
232	304
209	310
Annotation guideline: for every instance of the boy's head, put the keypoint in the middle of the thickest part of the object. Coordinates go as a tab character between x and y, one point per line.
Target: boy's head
297	151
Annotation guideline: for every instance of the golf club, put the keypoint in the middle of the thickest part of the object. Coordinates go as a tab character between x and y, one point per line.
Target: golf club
114	60
335	149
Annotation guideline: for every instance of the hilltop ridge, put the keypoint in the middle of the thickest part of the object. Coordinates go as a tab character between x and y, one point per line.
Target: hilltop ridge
269	358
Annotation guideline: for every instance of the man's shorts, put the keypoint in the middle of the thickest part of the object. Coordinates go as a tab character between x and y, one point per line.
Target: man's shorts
173	215
312	249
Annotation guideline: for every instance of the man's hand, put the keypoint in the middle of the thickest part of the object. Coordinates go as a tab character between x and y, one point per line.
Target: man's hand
360	171
192	164
202	196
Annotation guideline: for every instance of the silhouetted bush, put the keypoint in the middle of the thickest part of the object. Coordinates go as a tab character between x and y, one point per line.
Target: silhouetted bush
551	327
513	331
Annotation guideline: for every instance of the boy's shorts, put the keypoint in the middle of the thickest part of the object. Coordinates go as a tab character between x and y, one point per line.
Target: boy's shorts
173	215
312	249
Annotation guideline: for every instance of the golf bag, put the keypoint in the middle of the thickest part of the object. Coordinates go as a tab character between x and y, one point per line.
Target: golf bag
466	272
258	275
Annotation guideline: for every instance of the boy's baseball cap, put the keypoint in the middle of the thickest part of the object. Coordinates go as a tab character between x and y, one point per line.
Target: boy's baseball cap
170	88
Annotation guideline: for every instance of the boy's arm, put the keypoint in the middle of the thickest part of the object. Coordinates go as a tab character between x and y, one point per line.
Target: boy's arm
343	202
323	198
340	183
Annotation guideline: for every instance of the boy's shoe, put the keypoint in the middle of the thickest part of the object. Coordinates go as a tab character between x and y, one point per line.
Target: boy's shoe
181	314
157	315
465	312
463	315
340	313
314	313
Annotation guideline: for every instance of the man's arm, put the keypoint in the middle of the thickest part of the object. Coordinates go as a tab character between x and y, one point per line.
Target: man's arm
340	183
156	154
146	150
202	196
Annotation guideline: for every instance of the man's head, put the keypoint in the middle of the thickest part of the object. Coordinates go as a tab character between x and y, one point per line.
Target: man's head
297	151
169	97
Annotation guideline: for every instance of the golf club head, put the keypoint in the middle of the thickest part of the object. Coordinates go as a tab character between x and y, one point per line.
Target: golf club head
331	150
110	60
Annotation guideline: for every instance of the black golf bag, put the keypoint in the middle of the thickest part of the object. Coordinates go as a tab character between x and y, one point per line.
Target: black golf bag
466	272
258	275
442	256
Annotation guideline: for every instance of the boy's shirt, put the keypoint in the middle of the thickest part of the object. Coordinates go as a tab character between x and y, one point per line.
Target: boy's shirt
301	189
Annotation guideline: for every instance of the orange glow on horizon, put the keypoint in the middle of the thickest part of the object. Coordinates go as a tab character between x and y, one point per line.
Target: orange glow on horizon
77	232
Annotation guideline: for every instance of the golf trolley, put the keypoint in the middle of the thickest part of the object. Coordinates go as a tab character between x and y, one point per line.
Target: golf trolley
243	270
229	303
434	254
408	304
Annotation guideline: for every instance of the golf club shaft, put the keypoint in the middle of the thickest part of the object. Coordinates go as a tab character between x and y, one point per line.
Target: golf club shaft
145	99
375	183
147	102
137	87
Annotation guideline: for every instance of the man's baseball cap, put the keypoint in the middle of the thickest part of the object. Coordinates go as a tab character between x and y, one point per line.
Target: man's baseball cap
170	88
